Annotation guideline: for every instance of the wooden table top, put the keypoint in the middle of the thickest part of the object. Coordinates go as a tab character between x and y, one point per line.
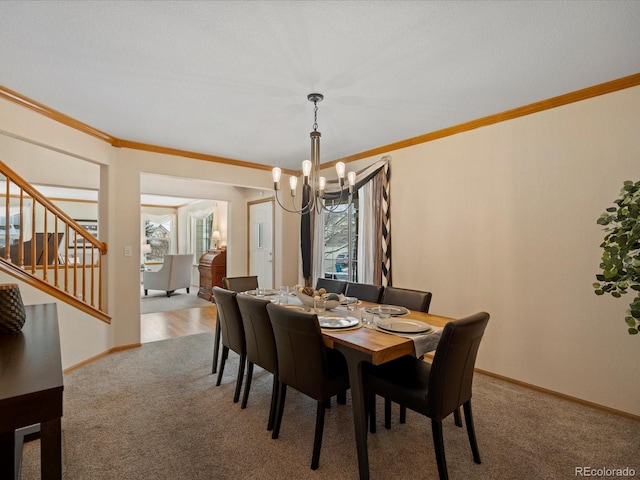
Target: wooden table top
382	347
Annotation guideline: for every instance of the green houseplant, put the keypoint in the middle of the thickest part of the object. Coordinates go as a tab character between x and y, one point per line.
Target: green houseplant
621	251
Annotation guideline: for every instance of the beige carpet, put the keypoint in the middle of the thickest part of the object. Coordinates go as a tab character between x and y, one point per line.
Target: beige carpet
157	301
154	412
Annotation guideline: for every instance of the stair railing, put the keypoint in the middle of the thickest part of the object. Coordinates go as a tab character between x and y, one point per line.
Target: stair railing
32	248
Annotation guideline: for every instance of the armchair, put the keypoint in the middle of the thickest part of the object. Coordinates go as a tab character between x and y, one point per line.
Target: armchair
175	273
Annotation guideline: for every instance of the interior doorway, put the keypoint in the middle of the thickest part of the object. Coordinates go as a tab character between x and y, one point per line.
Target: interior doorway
261	234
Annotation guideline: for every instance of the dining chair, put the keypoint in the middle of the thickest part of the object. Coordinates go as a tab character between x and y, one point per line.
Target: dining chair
331	285
236	284
261	346
435	389
305	364
418	301
233	337
364	292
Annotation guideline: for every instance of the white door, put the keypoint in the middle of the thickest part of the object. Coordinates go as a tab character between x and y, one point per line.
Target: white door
261	242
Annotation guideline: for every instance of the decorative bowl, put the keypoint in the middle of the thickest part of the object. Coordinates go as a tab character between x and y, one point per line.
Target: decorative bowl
329	304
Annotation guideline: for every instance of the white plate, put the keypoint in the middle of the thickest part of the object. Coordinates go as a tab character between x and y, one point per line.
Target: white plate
337	322
395	310
398	325
267	292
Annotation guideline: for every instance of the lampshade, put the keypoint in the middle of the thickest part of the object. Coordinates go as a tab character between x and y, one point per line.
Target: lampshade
215	235
12	314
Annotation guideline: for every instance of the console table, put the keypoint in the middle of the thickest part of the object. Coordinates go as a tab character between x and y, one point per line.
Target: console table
31	393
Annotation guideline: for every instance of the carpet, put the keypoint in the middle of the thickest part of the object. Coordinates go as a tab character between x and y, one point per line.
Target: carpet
154	412
157	301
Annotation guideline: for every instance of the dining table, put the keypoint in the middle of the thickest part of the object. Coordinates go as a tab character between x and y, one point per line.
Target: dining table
368	344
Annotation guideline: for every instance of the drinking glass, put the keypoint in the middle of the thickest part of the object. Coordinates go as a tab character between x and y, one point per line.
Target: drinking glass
366	316
352	303
284	295
319	305
260	292
384	311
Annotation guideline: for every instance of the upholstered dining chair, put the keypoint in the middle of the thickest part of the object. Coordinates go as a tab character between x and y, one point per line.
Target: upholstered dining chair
235	284
331	285
418	301
232	334
261	346
365	292
435	389
305	364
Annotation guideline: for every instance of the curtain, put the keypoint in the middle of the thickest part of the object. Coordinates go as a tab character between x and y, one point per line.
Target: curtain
199	212
374	226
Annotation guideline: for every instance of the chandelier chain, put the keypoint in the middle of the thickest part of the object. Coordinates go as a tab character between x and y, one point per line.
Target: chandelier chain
315	116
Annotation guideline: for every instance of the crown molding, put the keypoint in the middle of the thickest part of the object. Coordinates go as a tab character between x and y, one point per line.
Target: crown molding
572	97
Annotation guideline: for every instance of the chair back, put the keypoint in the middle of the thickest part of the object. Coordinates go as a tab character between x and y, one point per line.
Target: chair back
416	300
261	344
230	320
302	362
365	292
451	376
240	284
331	285
181	266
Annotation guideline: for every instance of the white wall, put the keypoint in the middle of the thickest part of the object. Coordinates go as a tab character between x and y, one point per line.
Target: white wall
503	219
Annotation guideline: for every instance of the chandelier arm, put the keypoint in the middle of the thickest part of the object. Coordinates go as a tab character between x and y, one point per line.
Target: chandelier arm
302	211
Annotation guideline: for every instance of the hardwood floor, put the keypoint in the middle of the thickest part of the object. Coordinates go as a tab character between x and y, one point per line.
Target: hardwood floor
177	323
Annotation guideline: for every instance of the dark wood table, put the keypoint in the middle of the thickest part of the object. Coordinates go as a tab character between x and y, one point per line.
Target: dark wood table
372	346
31	390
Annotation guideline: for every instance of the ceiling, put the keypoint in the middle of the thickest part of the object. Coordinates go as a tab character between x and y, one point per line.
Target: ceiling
231	78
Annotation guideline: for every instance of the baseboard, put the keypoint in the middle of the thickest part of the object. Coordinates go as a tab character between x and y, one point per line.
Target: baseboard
586	403
100	355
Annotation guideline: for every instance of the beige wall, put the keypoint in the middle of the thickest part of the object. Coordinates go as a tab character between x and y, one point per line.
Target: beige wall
500	219
503	219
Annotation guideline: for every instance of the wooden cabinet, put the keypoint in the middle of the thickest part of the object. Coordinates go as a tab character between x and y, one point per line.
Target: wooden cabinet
213	268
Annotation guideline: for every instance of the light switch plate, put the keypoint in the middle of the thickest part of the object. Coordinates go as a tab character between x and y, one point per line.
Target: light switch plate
128	251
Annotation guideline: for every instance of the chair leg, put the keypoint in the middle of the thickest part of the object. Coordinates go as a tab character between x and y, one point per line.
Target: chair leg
247	385
342	397
223	360
241	364
317	441
403	414
274	403
216	347
387	413
372	413
146	292
187	289
281	398
438	445
457	418
168	293
471	431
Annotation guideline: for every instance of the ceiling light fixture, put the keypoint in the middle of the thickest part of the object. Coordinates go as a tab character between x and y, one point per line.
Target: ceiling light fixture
313	185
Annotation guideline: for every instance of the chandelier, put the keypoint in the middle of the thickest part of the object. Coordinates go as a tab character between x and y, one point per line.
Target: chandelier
314	187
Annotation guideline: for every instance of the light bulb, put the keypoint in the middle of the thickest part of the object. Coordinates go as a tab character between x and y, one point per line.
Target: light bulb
340	169
322	182
276	173
293	183
306	168
352	178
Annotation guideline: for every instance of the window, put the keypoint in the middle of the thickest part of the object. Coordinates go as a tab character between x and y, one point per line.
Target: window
159	237
203	228
341	242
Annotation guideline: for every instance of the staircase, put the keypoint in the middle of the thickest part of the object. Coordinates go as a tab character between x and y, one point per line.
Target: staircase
44	247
